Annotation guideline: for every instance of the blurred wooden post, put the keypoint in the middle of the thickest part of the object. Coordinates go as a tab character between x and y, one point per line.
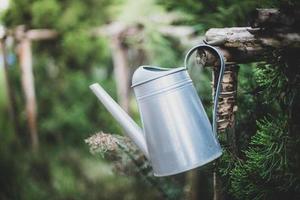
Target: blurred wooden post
121	70
191	185
117	33
25	59
11	100
25	39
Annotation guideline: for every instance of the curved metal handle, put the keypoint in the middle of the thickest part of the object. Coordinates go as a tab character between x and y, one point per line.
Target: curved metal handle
222	68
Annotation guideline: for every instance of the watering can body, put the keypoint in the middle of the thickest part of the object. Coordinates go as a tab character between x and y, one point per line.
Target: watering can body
177	135
177	130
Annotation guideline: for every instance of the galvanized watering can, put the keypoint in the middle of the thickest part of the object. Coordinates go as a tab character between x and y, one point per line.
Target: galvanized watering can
177	135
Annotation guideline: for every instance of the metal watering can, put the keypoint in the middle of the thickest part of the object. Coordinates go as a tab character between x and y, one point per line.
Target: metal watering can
177	135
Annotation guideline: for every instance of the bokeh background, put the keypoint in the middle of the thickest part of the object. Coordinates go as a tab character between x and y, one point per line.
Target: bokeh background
67	112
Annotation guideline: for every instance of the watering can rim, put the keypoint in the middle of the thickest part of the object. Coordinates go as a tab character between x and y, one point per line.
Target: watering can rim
138	72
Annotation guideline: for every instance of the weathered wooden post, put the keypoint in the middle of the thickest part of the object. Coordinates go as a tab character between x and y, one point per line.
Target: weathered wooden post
121	70
117	33
227	108
11	100
27	78
227	101
25	39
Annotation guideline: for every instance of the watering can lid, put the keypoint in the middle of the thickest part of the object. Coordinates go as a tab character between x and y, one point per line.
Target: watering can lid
148	73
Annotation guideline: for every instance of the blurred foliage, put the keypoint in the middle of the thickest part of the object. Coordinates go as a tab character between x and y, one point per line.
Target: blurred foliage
267	164
218	13
150	17
67	111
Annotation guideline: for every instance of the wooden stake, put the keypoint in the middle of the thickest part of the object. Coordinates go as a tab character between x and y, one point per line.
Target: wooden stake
227	108
227	105
10	96
25	58
121	70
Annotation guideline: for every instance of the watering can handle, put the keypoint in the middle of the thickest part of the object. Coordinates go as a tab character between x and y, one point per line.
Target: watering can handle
222	68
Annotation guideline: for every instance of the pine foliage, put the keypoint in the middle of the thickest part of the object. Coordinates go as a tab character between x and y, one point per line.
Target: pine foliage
266	173
268	168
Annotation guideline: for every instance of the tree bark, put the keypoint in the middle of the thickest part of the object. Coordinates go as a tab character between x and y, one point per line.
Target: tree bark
227	107
246	44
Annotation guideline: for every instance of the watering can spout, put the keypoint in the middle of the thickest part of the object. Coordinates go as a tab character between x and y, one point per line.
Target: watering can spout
130	127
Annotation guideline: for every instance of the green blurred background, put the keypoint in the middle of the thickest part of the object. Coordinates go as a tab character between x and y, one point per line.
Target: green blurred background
68	112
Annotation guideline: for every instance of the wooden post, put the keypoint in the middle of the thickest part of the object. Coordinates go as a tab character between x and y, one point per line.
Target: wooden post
121	70
117	33
10	96
191	185
25	39
227	108
25	59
